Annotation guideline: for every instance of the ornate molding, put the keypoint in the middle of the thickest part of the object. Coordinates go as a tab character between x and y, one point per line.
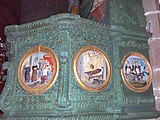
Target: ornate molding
99	116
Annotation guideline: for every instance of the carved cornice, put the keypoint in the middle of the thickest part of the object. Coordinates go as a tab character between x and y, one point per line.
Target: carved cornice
61	21
69	21
99	116
131	32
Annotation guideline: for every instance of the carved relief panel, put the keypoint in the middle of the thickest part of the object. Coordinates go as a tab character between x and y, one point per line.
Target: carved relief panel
70	93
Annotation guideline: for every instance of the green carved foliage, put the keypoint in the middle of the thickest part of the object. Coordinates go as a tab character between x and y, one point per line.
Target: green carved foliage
128	13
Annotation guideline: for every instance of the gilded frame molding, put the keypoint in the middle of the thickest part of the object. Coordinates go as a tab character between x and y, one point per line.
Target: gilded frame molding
139	78
47	52
108	69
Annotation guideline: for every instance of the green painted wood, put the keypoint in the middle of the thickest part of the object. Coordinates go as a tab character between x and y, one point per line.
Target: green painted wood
66	34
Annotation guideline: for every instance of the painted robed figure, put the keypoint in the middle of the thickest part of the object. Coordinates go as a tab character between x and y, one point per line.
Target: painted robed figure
92	9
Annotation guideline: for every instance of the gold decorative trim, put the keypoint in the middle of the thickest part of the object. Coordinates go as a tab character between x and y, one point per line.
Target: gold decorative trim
136	72
36	83
97	76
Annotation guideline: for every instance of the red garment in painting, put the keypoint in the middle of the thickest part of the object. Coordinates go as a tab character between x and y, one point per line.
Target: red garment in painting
47	57
98	9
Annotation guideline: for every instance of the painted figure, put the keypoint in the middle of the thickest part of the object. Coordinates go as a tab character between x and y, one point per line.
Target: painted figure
27	74
47	69
40	69
74	6
93	9
136	70
128	67
34	73
92	68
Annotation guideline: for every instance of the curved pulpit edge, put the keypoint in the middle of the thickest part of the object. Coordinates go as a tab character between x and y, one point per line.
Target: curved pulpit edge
64	16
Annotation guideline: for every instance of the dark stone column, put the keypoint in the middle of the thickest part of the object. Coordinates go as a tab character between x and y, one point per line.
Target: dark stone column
32	10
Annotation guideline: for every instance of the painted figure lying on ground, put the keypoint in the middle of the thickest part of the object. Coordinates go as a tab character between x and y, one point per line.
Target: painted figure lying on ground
92	68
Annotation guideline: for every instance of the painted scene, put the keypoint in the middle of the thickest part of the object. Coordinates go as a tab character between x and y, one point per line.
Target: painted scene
37	69
136	71
92	68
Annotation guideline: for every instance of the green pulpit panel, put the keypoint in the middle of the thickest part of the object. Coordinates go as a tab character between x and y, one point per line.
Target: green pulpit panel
65	35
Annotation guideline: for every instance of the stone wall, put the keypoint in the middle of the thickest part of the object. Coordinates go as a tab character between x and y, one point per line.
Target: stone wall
152	13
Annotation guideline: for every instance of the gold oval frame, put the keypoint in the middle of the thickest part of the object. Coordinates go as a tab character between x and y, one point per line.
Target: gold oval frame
108	66
149	79
53	77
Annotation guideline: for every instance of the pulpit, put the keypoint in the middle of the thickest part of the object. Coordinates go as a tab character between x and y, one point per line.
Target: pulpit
87	61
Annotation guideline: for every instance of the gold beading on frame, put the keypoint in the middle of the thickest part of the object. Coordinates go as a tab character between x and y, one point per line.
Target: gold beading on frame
54	74
137	84
108	69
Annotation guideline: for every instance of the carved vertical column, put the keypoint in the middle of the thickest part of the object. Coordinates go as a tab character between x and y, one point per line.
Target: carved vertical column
152	13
